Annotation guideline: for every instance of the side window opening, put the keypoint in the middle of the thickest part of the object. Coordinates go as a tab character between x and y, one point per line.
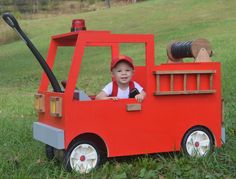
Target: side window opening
94	70
62	63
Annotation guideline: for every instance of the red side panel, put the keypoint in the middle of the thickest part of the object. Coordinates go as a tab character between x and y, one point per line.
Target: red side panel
158	127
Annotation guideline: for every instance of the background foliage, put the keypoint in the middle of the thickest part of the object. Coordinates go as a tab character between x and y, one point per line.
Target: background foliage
57	6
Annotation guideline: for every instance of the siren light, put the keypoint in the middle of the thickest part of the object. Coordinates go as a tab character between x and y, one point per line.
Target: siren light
78	24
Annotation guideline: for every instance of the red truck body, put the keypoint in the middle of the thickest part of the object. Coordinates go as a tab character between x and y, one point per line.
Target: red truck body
180	96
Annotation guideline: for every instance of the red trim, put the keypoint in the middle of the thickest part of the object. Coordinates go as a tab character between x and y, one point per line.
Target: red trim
115	87
131	85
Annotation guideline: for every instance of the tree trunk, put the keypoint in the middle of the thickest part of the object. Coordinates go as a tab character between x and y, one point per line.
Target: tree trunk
108	3
35	6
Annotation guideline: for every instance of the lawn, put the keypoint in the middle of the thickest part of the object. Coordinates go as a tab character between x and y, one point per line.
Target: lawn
23	157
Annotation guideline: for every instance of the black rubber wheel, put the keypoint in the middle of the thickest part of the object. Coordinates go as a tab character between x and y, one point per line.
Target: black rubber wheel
197	142
49	150
83	156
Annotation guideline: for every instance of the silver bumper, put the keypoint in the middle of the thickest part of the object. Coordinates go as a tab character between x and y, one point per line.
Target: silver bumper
49	135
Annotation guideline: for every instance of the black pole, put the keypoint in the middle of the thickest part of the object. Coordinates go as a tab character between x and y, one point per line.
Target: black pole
12	22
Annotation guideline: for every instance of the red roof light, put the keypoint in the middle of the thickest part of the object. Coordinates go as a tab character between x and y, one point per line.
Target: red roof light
78	24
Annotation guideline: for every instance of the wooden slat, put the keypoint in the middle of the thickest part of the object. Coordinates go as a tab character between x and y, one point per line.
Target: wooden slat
133	107
158	82
171	82
185	82
184	72
211	81
184	92
198	81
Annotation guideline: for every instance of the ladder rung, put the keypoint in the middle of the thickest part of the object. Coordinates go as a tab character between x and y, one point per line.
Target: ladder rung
211	81
185	82
158	82
171	82
198	81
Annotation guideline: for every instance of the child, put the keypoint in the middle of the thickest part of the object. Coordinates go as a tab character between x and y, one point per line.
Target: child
122	87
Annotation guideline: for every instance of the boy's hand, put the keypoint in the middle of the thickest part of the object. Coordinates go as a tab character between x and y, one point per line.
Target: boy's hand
113	98
139	97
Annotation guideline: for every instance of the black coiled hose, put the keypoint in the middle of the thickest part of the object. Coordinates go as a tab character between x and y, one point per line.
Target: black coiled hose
176	51
181	50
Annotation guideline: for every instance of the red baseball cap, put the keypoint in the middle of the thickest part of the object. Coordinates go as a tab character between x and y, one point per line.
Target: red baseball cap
116	60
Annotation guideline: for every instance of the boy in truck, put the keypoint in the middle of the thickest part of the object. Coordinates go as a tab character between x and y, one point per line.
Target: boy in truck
122	86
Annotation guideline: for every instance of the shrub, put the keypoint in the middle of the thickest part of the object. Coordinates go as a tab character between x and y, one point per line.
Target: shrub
7	34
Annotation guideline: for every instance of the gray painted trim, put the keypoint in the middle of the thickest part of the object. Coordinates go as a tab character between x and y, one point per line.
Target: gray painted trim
223	136
81	95
49	135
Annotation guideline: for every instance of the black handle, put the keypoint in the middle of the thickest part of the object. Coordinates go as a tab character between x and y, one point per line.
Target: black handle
12	22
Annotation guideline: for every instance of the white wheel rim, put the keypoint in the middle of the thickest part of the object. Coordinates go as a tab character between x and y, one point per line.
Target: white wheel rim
198	143
83	158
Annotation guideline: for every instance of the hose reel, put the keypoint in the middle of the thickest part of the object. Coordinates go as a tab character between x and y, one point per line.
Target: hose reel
199	49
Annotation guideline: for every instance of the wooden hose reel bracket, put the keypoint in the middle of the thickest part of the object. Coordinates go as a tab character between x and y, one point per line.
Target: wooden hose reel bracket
199	49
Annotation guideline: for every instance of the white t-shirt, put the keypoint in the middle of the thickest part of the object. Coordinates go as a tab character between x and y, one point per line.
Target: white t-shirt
122	94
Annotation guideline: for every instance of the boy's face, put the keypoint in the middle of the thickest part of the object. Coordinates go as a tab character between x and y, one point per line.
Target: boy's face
122	73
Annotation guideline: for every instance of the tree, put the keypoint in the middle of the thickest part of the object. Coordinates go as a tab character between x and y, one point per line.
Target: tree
108	3
35	6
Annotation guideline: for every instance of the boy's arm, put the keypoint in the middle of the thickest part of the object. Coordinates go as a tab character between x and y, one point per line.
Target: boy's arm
103	96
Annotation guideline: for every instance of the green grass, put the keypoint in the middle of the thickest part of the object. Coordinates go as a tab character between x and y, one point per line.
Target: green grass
23	157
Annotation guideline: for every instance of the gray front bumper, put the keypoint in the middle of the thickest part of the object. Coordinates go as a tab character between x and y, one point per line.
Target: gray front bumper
49	135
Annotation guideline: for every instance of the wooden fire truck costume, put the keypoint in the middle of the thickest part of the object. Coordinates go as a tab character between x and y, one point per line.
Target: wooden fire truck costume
183	108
